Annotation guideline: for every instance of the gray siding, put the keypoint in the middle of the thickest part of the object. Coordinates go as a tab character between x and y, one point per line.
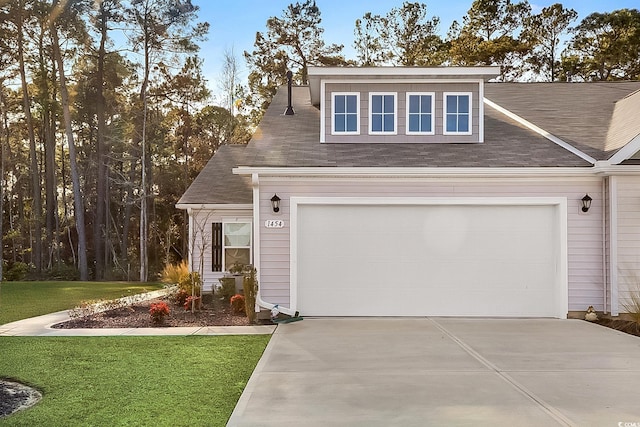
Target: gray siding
585	253
401	89
628	228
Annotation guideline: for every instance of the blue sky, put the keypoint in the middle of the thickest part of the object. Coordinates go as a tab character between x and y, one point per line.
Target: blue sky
234	23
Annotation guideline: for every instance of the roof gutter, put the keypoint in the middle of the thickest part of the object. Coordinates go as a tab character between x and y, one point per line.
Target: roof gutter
415	172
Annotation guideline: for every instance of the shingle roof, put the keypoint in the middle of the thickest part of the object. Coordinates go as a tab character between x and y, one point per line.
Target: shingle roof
584	115
294	141
597	118
216	184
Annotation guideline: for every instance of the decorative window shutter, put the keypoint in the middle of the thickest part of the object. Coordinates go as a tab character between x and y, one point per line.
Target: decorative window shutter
216	246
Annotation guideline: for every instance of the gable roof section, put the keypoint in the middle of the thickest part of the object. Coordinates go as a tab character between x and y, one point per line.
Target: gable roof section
596	118
294	141
216	184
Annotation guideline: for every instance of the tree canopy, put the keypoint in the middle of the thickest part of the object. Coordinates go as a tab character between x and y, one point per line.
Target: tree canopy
98	142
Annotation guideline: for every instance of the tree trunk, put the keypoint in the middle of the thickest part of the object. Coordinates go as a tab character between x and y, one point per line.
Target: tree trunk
99	224
35	172
75	178
5	133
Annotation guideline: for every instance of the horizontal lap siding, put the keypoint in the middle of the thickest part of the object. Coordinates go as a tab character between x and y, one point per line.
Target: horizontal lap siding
628	216
202	221
584	230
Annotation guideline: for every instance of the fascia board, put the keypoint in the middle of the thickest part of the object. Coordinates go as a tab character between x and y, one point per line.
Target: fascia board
404	71
626	152
413	172
215	206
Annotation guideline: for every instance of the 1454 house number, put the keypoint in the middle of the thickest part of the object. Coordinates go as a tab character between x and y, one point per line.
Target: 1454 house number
274	223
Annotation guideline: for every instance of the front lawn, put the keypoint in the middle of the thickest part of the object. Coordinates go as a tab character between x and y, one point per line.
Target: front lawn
132	381
21	300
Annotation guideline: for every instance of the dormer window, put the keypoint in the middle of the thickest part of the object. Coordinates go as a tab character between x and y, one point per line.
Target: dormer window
382	113
345	114
457	117
420	113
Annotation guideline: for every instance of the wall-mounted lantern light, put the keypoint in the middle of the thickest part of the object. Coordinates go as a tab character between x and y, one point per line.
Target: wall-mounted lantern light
586	203
275	203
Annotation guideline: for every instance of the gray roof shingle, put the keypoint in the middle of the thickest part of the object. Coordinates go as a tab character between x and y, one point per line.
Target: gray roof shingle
215	184
581	114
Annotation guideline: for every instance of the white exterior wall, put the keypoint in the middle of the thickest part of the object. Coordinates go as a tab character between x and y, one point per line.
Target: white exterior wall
200	221
585	244
627	265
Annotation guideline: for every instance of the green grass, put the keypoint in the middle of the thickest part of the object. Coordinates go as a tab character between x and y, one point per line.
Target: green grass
131	381
21	300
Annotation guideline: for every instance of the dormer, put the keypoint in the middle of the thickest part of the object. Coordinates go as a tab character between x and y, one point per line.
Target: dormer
400	104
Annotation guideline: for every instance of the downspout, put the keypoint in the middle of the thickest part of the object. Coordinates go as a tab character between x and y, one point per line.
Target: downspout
604	245
255	184
613	243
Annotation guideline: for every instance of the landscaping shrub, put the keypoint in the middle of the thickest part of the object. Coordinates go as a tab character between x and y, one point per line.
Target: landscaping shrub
250	285
18	271
237	303
190	302
173	273
228	288
631	304
62	272
189	284
158	311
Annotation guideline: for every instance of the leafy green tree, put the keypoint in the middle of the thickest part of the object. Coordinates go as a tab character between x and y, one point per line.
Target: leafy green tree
404	36
160	27
605	46
489	35
543	32
292	42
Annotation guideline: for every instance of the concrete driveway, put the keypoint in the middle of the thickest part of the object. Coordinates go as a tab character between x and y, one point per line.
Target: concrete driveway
444	372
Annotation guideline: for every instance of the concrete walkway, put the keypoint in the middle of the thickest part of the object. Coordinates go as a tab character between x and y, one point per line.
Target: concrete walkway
443	372
42	326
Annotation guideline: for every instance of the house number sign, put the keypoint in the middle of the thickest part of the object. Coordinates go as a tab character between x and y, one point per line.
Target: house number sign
274	223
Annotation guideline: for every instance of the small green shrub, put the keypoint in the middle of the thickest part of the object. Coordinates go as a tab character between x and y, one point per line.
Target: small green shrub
62	272
237	303
18	271
228	288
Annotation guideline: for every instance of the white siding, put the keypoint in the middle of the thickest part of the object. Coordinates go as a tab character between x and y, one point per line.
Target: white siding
628	230
585	244
200	240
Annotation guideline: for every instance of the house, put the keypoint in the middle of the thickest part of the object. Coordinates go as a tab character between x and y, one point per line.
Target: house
430	192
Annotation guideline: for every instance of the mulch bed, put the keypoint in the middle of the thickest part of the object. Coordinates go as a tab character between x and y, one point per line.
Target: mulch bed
214	312
626	326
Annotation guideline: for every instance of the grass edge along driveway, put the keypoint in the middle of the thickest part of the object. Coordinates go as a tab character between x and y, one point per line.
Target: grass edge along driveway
132	381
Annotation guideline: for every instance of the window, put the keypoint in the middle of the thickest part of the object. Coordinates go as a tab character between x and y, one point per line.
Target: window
420	113
382	113
346	113
457	117
231	244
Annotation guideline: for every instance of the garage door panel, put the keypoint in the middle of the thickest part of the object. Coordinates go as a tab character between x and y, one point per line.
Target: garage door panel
473	260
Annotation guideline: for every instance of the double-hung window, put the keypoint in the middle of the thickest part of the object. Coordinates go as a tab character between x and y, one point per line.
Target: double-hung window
382	113
420	113
457	113
231	244
345	114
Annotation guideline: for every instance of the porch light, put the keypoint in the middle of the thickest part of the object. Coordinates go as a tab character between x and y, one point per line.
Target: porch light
586	203
275	203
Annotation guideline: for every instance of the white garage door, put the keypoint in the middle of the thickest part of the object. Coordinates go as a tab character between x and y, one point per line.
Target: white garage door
428	260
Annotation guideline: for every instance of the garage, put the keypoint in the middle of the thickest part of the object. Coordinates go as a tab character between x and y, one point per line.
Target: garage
458	257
